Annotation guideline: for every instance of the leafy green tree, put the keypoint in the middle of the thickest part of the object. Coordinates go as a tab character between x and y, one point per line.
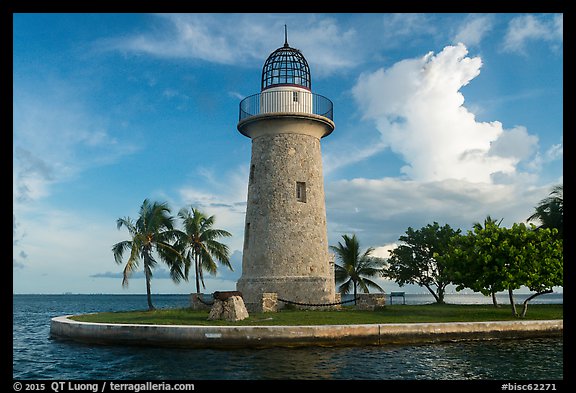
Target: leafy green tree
356	267
419	259
468	268
151	235
550	211
493	259
489	222
199	244
536	261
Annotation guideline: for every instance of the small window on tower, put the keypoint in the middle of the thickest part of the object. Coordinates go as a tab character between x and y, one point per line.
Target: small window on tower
301	191
251	173
295	96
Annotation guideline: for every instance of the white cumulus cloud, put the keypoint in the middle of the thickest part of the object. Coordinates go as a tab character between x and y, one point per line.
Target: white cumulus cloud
458	170
473	29
533	28
419	110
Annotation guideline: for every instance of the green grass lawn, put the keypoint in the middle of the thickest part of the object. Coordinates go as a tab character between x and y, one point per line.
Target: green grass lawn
345	316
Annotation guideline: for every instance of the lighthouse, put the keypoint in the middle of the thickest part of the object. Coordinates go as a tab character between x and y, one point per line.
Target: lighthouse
285	241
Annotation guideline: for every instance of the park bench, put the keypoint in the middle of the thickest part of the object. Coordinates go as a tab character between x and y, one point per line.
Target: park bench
397	294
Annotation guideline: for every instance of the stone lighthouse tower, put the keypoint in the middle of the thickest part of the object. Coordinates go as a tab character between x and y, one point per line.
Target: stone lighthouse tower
285	241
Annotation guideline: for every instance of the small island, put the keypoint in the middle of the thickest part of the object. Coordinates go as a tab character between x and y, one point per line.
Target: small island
393	324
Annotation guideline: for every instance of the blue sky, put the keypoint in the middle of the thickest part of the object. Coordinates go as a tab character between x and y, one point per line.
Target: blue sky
439	117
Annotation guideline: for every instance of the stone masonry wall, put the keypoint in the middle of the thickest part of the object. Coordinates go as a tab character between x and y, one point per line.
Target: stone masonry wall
269	302
370	301
285	241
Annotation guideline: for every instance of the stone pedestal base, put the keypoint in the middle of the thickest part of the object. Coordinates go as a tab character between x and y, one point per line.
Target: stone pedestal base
231	309
269	302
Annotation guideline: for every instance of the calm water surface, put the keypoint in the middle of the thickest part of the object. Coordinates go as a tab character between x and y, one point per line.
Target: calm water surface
37	356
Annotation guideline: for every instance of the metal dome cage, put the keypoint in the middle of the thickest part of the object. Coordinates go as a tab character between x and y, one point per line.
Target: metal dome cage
286	66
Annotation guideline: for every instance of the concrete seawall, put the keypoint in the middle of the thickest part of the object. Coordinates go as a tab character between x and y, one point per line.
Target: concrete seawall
294	336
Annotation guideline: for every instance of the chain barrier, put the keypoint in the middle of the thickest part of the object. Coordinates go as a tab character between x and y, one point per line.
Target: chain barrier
292	302
317	304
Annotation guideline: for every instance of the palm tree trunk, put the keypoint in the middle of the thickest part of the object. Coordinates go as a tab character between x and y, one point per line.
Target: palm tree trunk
201	271
355	292
148	294
196	268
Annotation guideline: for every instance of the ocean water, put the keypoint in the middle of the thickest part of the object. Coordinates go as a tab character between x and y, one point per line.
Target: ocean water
36	356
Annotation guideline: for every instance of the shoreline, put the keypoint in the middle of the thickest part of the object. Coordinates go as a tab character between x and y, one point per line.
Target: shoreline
229	337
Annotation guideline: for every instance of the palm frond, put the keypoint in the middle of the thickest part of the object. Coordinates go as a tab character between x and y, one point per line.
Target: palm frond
119	248
130	266
345	287
371	284
126	222
207	262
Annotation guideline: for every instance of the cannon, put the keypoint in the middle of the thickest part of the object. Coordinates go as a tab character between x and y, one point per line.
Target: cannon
223	295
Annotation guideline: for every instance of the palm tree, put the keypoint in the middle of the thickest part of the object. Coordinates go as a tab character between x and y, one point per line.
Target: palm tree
488	221
199	245
356	267
153	231
550	210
